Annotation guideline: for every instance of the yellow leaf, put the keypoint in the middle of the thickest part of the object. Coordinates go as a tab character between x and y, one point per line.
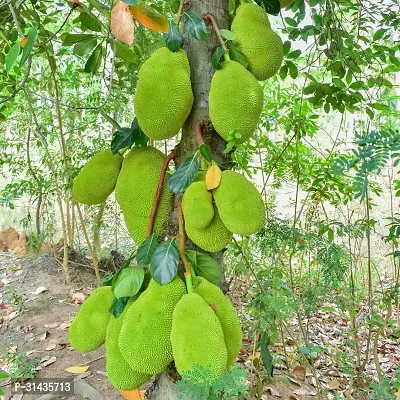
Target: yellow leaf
122	25
149	18
132	394
78	369
213	177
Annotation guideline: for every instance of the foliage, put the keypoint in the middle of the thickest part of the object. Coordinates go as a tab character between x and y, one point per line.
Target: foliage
20	366
201	384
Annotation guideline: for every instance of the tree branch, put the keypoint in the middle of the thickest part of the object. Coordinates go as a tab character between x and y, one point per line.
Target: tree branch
157	197
17	25
210	17
180	12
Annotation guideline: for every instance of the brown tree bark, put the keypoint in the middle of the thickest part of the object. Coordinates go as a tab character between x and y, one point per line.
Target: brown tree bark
199	54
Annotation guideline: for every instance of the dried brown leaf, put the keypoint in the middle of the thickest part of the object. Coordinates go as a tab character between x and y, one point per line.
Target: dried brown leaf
122	25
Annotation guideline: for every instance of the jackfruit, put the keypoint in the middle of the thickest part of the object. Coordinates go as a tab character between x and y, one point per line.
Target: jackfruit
144	340
88	329
119	373
239	204
164	97
258	42
197	205
197	337
226	314
136	188
212	238
235	101
97	179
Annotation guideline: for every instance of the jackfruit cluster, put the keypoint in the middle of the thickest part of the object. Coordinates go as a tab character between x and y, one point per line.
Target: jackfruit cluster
164	97
119	373
97	179
197	336
136	189
262	46
144	340
88	329
235	101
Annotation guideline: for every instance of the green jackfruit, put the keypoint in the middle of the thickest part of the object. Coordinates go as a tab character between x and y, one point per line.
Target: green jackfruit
136	188
197	337
144	340
119	373
197	205
97	179
164	97
226	314
88	330
212	238
258	42
239	204
235	102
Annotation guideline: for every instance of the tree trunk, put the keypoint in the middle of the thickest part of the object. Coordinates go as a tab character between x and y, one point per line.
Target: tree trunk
199	54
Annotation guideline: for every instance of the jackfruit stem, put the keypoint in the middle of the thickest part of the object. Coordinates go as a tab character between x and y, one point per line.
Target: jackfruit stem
182	241
157	197
189	284
198	128
221	40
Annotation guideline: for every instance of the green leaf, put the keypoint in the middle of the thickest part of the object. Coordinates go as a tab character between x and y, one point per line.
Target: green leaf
85	46
338	83
195	25
205	151
236	55
164	263
124	52
216	57
226	34
32	37
184	175
113	122
173	38
93	63
286	47
139	137
270	6
122	139
129	282
293	71
294	54
72	38
205	266
118	305
283	72
89	22
12	55
291	21
3	375
379	33
130	2
146	250
266	355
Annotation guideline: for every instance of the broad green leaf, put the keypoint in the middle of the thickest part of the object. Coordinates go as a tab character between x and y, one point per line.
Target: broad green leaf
266	355
3	375
226	34
286	47
379	33
128	282
270	6
89	22
205	266
93	63
293	71
293	54
12	55
195	25
122	139
184	175
118	305
72	38
173	38
32	37
114	123
291	21
130	2
205	151
164	263
85	46
216	57
146	250
124	52
236	54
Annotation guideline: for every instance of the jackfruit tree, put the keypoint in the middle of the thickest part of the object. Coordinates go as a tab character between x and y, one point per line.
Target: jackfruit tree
204	92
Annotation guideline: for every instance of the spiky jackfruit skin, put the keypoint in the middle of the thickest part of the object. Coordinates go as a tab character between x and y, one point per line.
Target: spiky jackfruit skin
97	179
119	373
235	101
164	97
258	42
144	340
197	337
239	204
197	205
226	314
88	329
136	188
212	238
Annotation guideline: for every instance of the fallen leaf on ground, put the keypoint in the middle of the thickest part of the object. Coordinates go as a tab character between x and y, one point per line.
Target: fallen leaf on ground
77	369
76	298
43	336
132	394
40	289
272	391
304	392
51	326
51	346
64	326
299	373
52	360
11	316
294	381
333	384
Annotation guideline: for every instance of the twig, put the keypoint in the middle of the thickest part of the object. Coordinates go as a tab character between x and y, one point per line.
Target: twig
180	12
198	128
157	197
211	18
17	25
